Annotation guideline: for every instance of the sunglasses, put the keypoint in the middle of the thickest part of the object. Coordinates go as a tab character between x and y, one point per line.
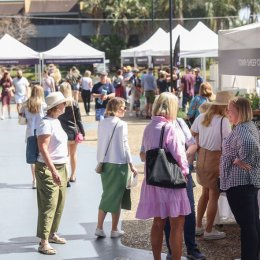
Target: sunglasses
124	108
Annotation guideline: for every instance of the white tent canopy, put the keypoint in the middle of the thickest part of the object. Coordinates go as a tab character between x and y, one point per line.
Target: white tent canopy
14	52
200	42
239	50
72	50
154	43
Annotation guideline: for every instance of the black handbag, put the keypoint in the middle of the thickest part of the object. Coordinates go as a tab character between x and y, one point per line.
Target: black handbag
162	170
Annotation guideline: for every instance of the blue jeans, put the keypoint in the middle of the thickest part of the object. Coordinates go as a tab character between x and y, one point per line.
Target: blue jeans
100	114
185	99
190	220
244	205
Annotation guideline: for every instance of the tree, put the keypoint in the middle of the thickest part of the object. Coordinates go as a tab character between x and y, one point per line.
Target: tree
120	11
19	27
96	9
111	45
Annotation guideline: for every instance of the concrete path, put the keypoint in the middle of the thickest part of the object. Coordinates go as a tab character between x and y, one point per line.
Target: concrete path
18	208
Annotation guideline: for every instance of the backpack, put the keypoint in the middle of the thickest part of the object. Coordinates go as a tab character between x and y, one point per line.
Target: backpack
117	83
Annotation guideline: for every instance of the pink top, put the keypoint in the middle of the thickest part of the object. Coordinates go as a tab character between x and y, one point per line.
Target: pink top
157	201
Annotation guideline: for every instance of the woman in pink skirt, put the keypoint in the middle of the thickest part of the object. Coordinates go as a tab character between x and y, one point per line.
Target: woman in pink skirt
160	203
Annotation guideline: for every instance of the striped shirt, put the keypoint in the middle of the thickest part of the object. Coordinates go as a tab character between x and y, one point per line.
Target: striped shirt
242	143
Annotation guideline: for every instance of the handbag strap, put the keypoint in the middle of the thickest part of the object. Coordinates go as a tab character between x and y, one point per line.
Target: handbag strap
221	134
161	136
110	140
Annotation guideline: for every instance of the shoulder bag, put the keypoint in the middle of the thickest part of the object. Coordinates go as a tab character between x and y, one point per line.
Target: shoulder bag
32	150
162	170
99	167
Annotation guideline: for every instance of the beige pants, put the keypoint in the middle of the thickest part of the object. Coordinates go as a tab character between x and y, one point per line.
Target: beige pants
50	198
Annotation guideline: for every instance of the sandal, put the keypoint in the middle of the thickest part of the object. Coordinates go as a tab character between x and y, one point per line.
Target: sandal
46	249
57	240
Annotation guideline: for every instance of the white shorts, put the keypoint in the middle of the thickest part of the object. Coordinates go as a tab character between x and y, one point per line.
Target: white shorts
20	99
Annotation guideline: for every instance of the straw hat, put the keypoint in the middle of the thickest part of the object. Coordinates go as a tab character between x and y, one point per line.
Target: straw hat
54	99
223	97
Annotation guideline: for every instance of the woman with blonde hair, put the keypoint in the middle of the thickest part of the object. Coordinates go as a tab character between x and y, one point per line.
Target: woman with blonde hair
72	124
239	174
33	111
160	203
114	152
87	85
74	78
205	95
210	129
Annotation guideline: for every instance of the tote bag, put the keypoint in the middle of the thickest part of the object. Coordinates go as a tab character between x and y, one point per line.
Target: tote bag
32	150
162	169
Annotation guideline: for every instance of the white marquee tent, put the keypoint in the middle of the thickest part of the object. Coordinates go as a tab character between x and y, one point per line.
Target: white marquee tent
72	50
200	42
14	52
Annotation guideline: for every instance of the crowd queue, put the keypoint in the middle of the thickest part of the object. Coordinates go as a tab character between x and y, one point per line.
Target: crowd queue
217	133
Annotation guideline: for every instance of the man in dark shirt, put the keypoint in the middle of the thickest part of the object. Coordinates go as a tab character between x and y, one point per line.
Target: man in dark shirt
198	81
187	87
102	92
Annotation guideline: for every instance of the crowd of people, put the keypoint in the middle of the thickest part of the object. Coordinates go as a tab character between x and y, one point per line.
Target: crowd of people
217	133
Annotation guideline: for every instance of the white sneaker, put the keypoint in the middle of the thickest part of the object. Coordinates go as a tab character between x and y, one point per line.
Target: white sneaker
34	184
117	233
199	231
214	234
100	233
2	117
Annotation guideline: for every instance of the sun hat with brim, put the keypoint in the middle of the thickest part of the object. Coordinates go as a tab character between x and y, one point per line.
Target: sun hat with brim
223	97
54	99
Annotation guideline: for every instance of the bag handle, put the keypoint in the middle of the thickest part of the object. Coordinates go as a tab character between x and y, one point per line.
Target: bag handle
221	134
75	122
161	136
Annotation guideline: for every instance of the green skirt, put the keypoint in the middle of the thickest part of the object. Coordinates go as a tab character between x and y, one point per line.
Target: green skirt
115	196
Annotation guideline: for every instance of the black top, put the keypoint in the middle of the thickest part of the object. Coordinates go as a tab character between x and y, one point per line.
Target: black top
98	88
68	123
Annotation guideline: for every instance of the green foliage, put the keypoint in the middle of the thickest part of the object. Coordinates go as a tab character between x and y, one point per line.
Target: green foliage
254	100
111	45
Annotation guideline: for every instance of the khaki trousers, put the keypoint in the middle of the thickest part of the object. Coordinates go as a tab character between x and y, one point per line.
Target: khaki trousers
50	198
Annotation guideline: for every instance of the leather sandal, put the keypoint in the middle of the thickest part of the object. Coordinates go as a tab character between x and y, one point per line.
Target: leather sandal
46	249
57	240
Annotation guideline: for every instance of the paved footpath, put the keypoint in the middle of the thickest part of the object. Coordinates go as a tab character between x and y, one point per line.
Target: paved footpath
18	208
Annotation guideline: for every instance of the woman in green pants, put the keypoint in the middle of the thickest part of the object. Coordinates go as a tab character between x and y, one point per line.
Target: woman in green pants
51	174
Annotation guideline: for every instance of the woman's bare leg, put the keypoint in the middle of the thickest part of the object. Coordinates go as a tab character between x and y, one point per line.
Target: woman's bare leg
202	206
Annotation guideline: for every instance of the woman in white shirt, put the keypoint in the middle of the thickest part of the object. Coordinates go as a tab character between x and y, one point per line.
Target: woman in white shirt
115	154
51	173
87	85
210	128
33	111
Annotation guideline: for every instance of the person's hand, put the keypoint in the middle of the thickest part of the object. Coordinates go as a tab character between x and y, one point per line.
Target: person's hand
104	97
242	164
133	170
56	178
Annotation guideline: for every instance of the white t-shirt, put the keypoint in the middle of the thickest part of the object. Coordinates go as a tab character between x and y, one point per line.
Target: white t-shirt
86	83
48	83
20	86
210	136
57	148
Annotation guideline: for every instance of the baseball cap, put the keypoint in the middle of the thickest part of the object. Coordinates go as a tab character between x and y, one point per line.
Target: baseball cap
188	67
197	69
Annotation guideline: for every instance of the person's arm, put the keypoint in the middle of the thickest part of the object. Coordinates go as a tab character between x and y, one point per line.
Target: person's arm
43	143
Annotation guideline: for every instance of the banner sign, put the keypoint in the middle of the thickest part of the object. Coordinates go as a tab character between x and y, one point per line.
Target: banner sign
245	62
74	61
161	60
20	62
128	61
141	60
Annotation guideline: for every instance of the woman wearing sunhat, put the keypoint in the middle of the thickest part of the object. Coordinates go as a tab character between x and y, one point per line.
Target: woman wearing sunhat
210	128
51	174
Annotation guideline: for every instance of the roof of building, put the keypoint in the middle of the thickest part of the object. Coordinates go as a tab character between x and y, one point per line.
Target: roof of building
11	8
53	6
